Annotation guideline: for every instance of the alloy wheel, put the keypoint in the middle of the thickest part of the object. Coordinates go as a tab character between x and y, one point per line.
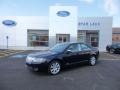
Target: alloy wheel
54	68
92	61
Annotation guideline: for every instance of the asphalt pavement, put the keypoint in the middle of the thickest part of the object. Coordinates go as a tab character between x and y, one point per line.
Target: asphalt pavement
105	75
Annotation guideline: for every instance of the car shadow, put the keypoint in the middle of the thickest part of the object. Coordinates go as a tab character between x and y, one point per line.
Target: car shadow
67	68
39	73
78	66
74	67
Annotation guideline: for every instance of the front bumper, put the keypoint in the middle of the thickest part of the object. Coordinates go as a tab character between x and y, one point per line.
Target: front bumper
42	66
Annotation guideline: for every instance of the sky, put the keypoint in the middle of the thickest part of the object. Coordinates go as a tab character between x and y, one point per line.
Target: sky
86	8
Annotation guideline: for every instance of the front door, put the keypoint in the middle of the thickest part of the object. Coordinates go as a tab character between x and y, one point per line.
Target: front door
73	55
85	52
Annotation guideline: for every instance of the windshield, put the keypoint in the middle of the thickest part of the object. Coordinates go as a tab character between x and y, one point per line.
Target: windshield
59	47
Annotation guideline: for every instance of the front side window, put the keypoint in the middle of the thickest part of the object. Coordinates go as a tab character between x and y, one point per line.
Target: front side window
59	47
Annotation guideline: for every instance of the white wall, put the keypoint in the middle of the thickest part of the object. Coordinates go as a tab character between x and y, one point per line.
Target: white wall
18	34
104	25
63	25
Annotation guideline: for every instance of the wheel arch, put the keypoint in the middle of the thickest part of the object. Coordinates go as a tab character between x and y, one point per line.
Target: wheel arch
94	55
58	60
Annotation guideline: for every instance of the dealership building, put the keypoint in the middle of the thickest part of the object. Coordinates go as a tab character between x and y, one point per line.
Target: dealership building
62	25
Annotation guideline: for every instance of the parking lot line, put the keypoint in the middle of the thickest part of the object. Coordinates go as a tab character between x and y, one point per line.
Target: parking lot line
9	52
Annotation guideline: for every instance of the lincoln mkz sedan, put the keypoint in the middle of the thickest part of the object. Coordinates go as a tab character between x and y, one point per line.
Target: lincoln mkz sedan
61	55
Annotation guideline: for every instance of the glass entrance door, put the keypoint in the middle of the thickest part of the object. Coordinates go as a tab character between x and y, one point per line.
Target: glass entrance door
61	38
94	40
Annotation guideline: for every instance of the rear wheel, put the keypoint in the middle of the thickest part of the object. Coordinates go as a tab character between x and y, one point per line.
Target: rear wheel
54	68
92	61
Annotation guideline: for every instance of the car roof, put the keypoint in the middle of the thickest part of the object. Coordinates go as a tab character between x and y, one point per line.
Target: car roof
72	43
69	43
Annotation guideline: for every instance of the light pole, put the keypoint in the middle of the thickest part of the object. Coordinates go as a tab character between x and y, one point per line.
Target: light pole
7	41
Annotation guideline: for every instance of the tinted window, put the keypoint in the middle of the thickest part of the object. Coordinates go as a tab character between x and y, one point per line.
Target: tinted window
73	48
80	49
118	45
85	47
59	47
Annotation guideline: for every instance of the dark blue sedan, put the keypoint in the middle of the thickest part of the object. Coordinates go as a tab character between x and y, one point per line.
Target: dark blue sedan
60	55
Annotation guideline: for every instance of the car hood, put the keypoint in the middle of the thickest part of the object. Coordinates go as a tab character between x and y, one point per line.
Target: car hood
95	49
42	54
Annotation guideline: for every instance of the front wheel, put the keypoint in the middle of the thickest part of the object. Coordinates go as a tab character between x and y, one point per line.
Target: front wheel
54	68
92	61
111	51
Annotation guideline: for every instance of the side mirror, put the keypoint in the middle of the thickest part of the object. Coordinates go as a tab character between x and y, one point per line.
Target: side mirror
68	51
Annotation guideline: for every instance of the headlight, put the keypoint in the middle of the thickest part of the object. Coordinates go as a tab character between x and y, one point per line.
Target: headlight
39	60
29	59
35	60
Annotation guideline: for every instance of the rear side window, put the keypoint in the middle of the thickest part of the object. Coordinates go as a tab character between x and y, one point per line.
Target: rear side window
118	45
84	47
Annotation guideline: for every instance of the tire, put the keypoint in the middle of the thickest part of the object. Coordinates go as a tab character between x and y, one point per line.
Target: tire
54	67
111	51
92	61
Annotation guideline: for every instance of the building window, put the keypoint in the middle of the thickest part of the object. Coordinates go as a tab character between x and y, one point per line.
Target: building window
38	38
61	38
90	37
94	41
81	36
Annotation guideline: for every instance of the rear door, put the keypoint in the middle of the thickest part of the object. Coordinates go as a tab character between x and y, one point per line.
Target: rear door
85	52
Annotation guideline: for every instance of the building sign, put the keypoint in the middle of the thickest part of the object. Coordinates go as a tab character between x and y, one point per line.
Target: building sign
63	13
9	22
89	24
